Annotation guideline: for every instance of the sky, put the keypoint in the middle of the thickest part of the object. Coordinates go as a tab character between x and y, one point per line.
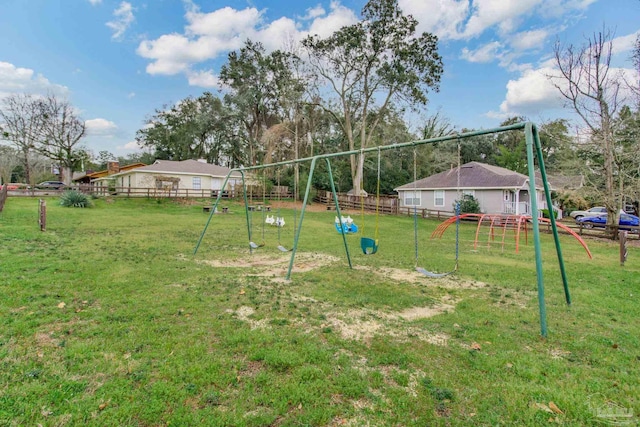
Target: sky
118	61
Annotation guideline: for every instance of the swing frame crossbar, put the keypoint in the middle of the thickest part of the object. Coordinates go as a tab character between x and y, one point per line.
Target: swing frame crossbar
533	147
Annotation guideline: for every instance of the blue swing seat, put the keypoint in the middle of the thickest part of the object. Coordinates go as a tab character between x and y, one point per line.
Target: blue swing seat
369	246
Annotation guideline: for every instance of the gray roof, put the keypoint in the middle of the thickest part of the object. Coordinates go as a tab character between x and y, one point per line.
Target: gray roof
472	175
192	167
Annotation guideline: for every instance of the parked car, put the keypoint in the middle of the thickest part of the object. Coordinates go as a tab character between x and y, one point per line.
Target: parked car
625	221
15	186
51	185
594	211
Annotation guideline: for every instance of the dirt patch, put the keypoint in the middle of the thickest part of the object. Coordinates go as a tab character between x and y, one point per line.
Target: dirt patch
244	313
363	325
411	276
278	265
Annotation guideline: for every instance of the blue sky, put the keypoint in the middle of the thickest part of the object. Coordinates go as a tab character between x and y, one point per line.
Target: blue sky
117	61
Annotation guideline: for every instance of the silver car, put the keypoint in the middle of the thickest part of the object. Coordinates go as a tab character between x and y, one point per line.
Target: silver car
594	211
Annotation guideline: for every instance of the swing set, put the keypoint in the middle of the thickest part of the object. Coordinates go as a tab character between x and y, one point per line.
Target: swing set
370	245
277	221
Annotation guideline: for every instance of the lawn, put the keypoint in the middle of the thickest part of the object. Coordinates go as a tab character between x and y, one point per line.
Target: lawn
109	319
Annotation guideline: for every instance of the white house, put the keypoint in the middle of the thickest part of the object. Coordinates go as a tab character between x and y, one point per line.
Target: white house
498	190
179	177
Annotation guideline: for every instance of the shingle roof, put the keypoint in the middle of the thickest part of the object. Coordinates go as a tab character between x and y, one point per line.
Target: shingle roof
186	166
472	175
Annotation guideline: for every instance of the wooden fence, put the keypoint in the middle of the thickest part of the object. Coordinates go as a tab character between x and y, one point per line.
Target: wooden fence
386	204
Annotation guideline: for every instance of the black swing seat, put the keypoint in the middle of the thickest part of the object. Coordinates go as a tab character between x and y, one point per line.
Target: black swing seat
369	246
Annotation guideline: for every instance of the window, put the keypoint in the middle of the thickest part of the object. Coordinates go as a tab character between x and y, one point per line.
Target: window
197	183
412	198
438	198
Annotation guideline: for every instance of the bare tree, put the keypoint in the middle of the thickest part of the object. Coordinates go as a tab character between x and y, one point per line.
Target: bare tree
592	90
61	132
21	125
9	159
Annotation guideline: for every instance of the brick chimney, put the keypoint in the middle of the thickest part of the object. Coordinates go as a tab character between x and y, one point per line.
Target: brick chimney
113	167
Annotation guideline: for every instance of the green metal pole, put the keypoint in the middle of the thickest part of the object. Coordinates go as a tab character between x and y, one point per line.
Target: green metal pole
304	206
533	195
516	126
552	217
335	200
246	209
213	210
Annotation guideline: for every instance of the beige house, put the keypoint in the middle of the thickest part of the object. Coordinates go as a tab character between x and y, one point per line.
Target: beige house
498	190
186	178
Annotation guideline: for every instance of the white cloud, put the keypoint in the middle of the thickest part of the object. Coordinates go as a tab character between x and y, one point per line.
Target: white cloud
624	43
532	93
526	40
95	2
24	80
207	36
223	23
444	18
100	127
131	95
123	18
505	14
483	54
203	79
467	19
314	12
130	146
338	17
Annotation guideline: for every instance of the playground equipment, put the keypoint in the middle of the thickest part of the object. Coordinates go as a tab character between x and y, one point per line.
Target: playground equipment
252	244
423	270
496	222
369	245
279	221
345	225
532	140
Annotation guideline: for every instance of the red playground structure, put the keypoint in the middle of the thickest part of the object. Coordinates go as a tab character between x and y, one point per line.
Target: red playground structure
499	225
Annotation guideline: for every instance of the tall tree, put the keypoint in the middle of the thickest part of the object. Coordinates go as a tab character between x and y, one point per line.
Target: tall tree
9	159
21	125
592	90
193	128
60	135
371	63
511	150
556	146
263	91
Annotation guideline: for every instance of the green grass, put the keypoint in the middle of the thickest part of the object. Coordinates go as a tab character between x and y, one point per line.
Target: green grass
108	318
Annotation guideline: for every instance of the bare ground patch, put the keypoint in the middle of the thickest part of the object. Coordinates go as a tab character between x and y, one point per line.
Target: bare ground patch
276	266
411	276
364	324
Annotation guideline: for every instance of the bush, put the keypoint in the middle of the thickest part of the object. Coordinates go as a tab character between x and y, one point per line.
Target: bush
468	204
545	213
74	198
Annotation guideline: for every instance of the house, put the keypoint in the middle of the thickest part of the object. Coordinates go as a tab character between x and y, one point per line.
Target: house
498	190
86	179
180	178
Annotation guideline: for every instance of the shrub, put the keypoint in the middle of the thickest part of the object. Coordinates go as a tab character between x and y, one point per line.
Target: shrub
74	198
468	204
545	213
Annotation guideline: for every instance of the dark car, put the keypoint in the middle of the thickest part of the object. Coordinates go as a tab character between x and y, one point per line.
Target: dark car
625	221
51	185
